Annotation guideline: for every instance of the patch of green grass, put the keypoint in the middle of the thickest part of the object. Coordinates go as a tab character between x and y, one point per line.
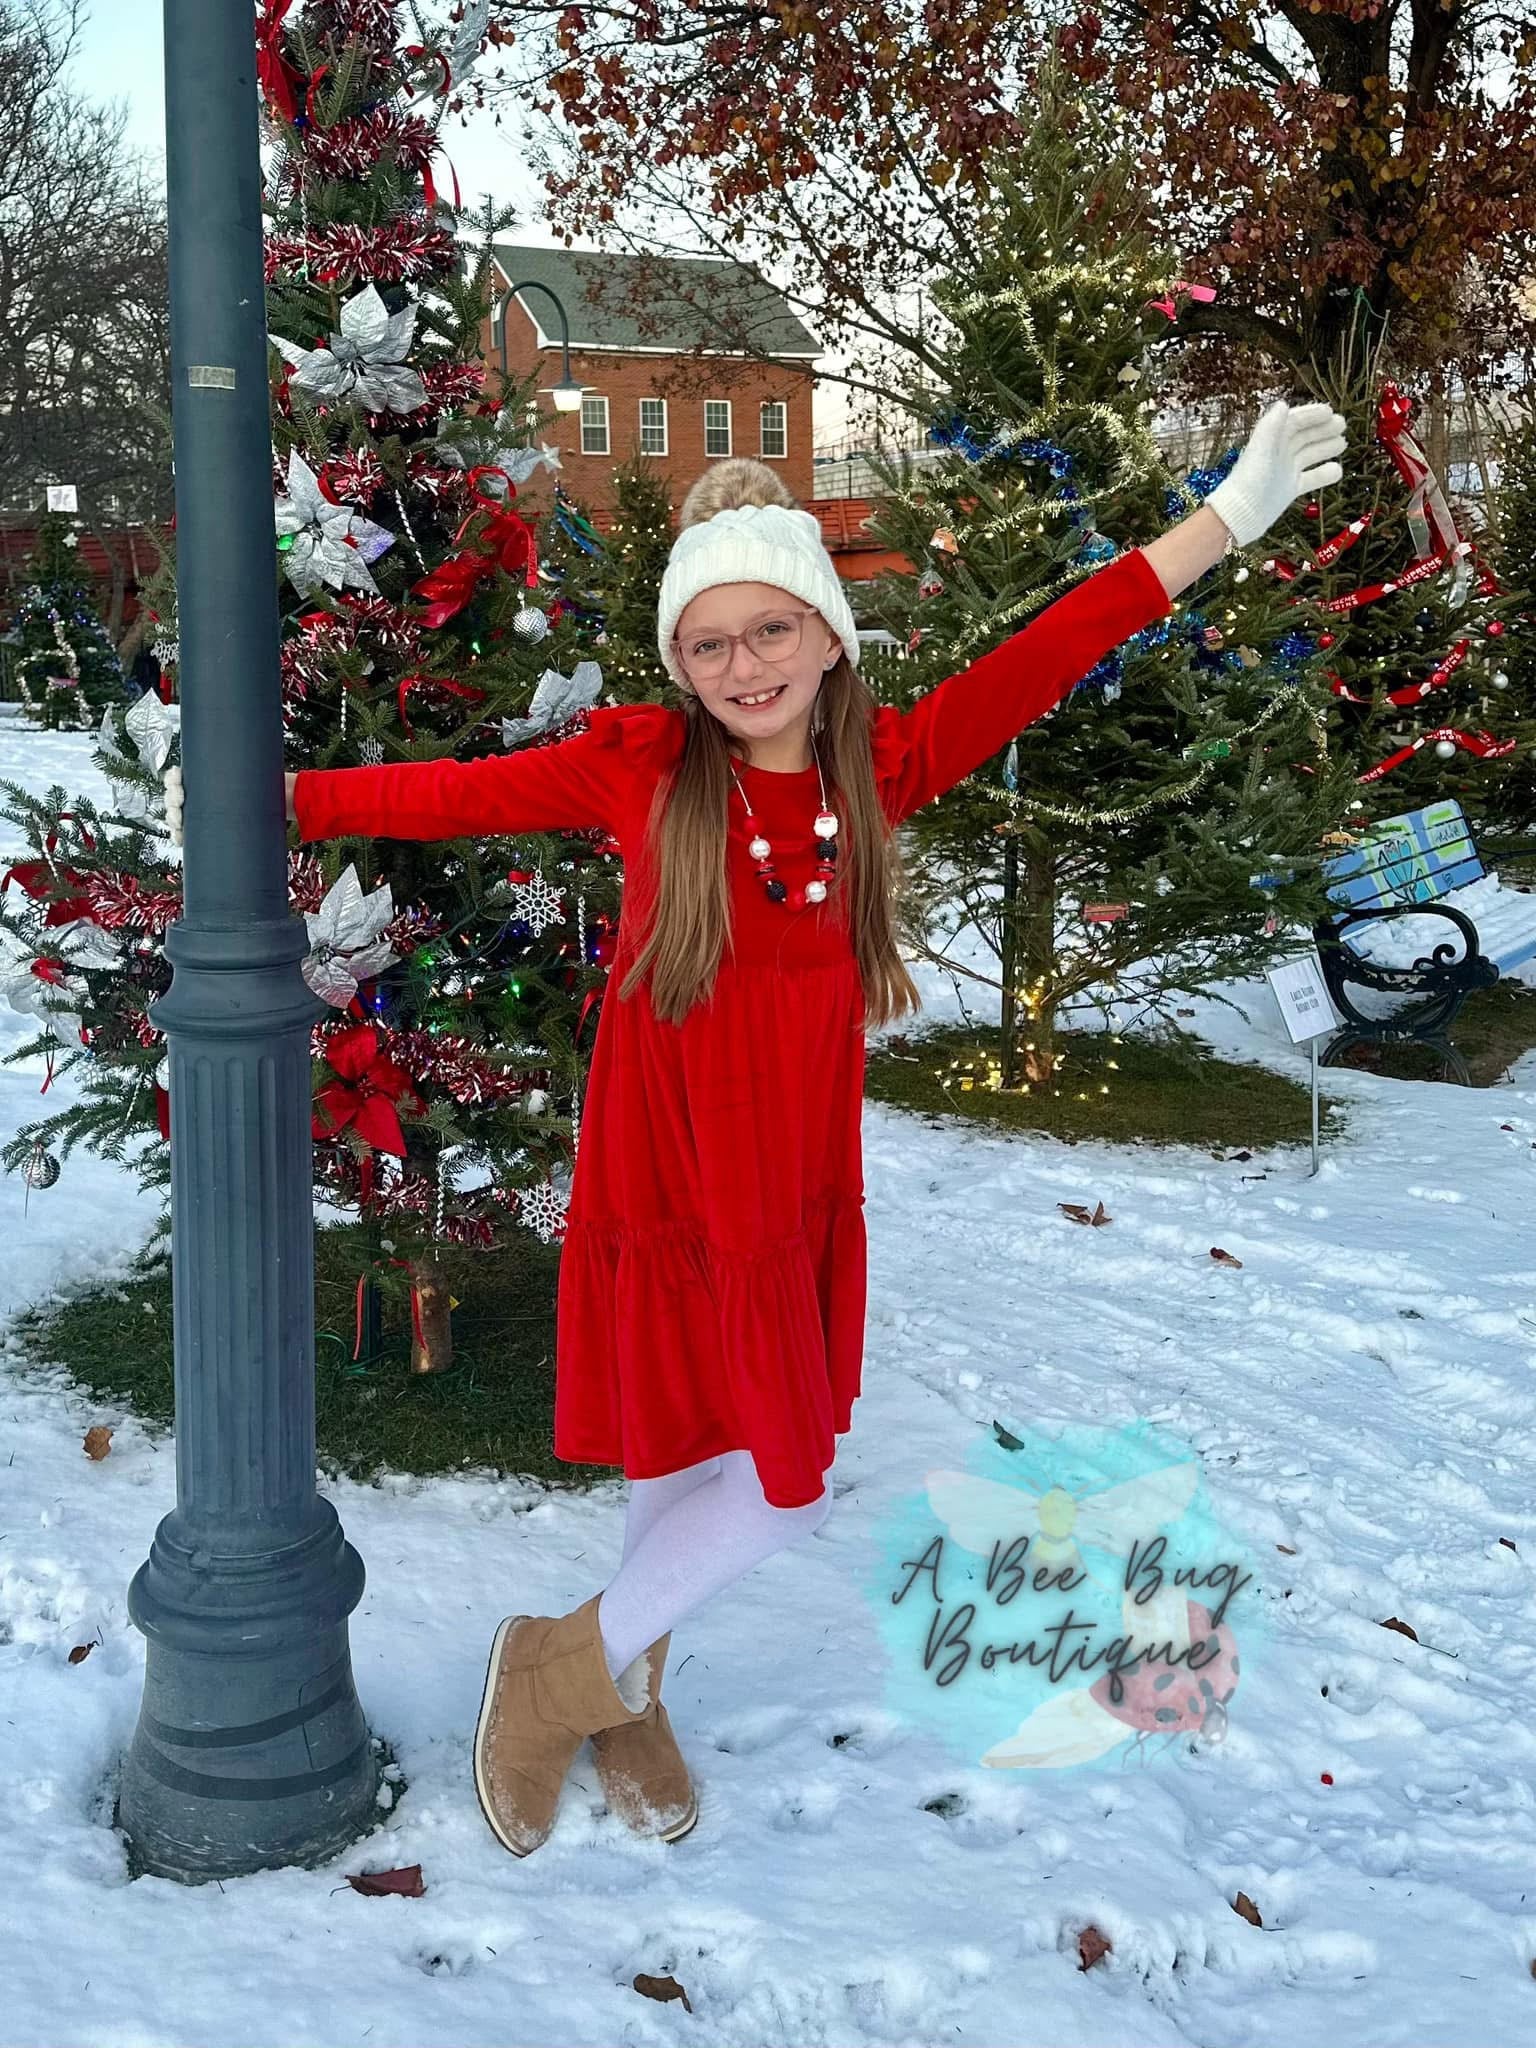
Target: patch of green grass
1173	1092
493	1409
1492	1029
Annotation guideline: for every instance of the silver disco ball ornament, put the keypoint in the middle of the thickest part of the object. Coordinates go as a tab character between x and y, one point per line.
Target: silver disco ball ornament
530	624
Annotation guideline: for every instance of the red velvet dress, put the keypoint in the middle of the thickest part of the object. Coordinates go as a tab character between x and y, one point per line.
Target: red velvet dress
712	1277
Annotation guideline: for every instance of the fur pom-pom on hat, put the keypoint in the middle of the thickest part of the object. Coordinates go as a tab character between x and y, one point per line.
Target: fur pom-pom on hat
740	525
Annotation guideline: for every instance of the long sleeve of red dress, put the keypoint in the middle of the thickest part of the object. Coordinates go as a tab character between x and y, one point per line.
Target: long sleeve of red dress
571	785
966	719
588	780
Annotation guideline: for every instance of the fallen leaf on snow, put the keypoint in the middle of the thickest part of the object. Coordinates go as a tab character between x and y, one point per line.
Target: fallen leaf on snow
662	1988
1093	1947
375	1884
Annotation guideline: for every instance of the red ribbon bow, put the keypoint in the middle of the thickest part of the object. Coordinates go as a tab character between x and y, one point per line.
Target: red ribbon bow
506	542
366	1094
279	78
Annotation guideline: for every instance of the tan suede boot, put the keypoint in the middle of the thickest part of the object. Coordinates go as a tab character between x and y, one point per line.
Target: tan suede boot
644	1777
547	1687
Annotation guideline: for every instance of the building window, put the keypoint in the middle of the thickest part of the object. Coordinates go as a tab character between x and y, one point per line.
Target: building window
775	428
594	424
717	426
653	426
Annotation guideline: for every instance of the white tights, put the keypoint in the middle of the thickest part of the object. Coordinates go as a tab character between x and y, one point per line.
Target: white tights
688	1535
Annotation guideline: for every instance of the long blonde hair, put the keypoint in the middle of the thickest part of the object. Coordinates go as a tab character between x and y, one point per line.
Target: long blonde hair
690	908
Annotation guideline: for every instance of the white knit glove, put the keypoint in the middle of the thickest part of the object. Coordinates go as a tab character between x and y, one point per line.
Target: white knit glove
1292	450
173	801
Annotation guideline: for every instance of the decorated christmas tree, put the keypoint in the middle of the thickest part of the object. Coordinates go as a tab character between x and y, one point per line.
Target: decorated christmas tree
571	549
1124	827
462	980
63	659
627	580
1513	797
1414	623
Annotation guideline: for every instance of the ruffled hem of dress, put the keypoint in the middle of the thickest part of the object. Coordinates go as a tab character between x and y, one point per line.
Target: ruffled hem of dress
672	1348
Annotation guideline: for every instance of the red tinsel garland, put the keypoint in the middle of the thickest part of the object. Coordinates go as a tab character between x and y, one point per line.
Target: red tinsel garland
354	146
398	252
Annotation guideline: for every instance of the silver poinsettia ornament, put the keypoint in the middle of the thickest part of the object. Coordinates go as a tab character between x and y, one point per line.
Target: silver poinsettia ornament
469	35
366	361
555	699
471	444
41	987
326	543
346	938
152	729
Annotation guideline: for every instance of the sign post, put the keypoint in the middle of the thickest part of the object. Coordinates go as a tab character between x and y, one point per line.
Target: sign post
1308	1012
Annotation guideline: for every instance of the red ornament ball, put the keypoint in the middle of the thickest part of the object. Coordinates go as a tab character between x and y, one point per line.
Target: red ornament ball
1325	639
1312	510
1495	629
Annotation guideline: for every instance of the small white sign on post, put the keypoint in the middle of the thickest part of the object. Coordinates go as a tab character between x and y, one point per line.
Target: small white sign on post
1308	1010
63	498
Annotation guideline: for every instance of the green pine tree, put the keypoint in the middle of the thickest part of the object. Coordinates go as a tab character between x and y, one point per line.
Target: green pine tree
1417	615
1123	829
571	549
1514	794
62	655
627	581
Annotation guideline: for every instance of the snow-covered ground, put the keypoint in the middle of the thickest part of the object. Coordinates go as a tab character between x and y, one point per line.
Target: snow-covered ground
1362	1392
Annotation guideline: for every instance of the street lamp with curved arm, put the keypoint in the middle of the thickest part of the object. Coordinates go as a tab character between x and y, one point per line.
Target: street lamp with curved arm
567	393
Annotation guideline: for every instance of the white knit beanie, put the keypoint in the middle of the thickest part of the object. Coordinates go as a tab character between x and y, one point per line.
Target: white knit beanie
752	544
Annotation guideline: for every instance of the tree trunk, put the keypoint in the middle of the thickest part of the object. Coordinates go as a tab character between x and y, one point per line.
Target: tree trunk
1039	1065
431	1321
1010	960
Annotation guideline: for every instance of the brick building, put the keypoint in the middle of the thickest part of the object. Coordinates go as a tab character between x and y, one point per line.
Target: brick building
650	342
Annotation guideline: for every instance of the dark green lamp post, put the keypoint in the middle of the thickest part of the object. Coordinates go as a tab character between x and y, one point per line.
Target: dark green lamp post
251	1748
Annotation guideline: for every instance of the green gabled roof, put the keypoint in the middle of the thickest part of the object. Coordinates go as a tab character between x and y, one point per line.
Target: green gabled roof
597	289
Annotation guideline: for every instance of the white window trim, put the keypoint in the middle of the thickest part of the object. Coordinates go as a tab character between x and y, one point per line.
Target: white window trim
666	425
595	398
780	405
719	455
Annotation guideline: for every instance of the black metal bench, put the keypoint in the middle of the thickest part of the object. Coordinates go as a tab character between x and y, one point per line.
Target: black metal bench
1400	868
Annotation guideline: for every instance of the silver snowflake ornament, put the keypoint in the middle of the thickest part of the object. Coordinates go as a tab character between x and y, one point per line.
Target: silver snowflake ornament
543	1210
538	903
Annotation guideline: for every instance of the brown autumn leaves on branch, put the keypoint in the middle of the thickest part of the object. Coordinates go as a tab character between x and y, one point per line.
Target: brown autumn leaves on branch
1298	154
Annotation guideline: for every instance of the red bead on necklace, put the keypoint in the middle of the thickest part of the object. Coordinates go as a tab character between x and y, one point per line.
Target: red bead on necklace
824	830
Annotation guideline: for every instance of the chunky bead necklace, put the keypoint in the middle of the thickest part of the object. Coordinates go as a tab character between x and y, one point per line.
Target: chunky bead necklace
824	827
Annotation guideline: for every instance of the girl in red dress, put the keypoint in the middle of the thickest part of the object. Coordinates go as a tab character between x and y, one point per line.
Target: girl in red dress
712	1279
